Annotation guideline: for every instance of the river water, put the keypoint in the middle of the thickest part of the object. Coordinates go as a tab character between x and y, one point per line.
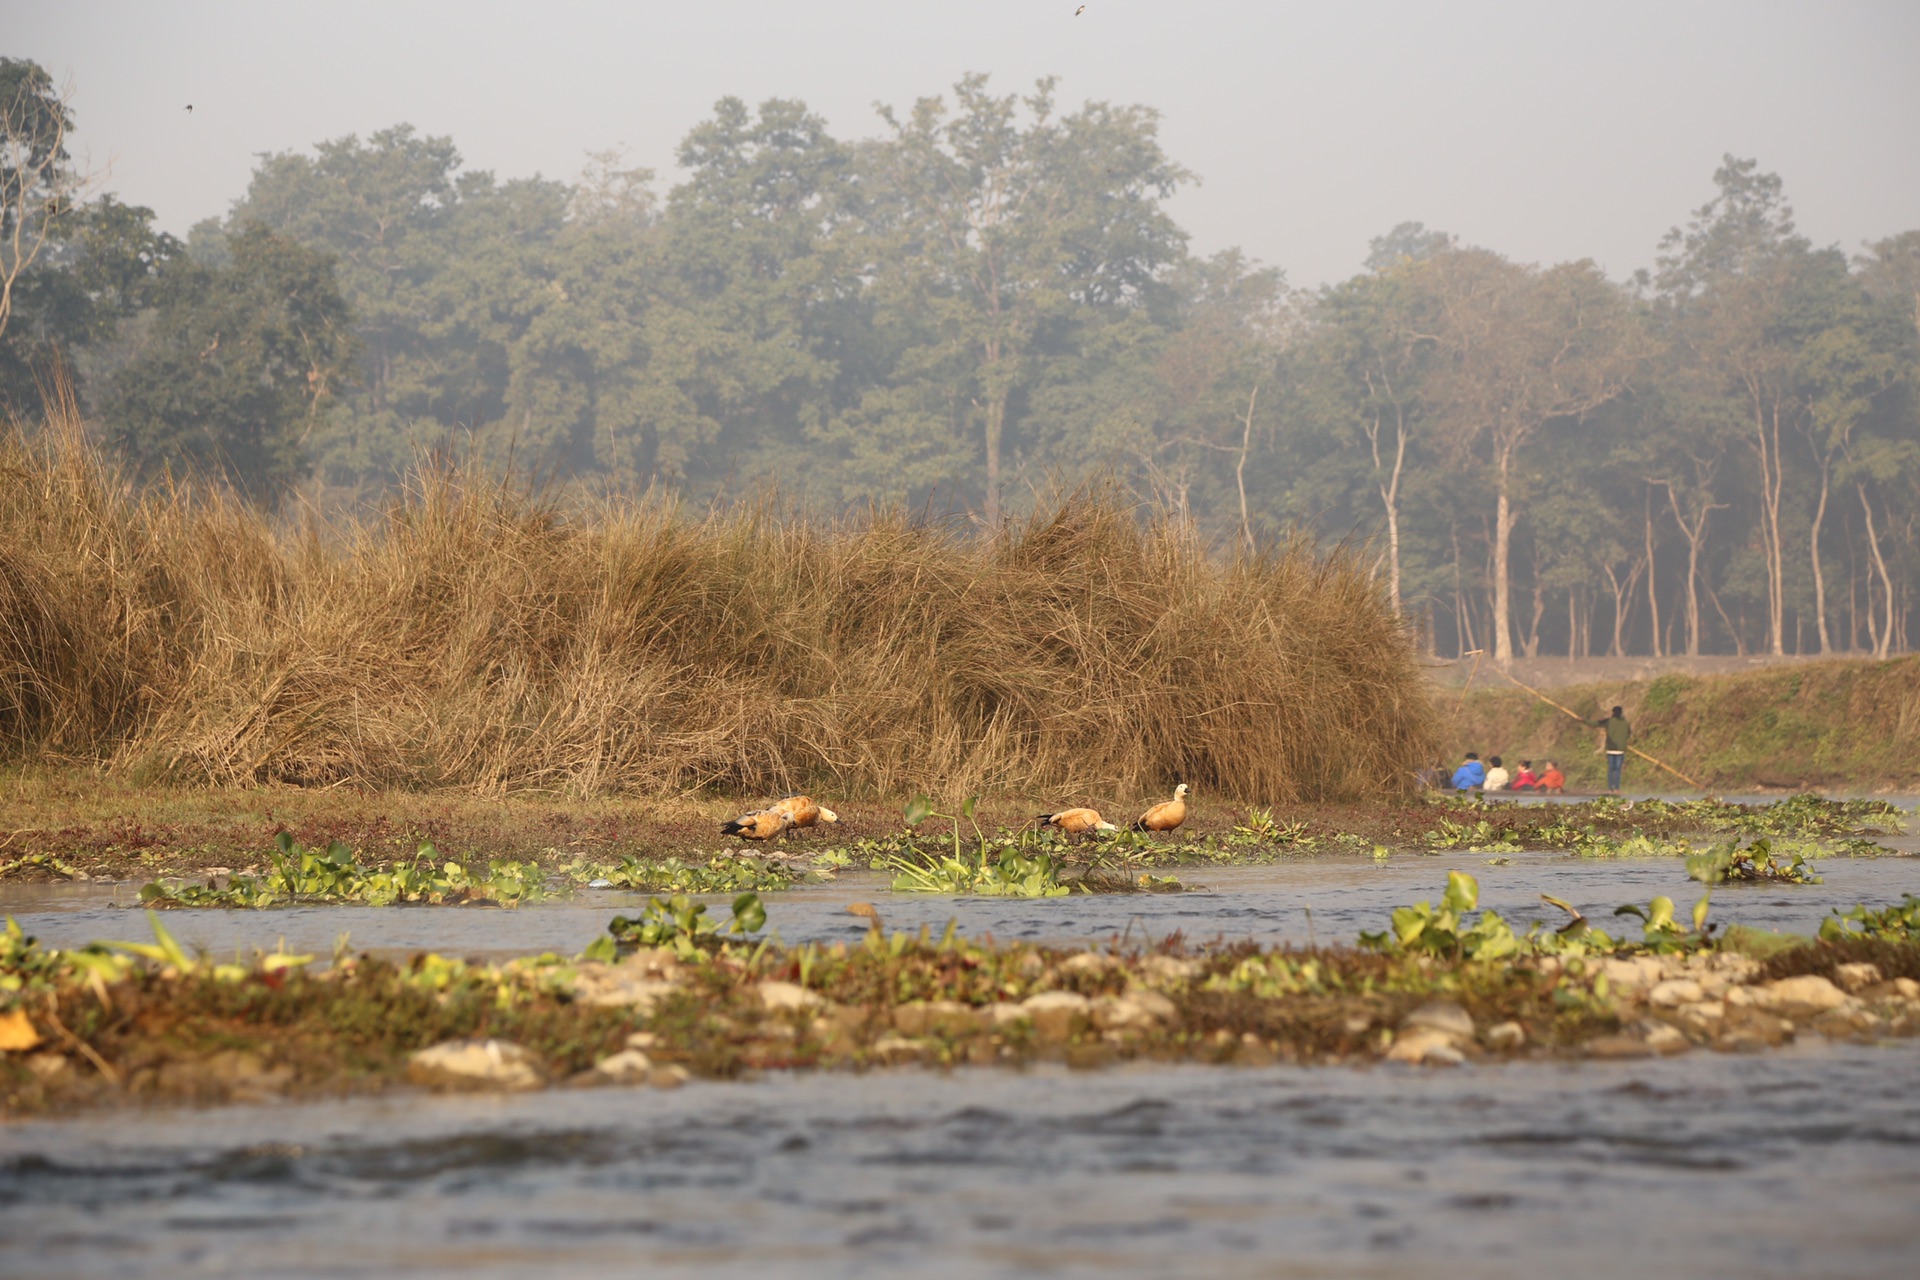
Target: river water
1801	1162
1804	1161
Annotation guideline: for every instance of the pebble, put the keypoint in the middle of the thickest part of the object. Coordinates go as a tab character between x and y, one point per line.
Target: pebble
1801	997
1442	1016
1427	1046
629	1066
789	997
1674	992
1852	977
476	1064
1506	1035
1055	1014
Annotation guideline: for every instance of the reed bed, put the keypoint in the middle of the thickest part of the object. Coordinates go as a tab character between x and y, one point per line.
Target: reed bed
479	636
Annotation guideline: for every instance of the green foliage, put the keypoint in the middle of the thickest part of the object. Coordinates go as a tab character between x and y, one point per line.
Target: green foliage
1897	923
719	874
1022	864
242	362
1757	862
1660	932
1482	837
1443	931
299	874
682	924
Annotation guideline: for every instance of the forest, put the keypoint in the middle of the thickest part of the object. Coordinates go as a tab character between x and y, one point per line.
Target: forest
987	302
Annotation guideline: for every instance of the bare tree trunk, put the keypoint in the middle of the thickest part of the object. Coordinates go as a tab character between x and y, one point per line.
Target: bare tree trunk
1246	521
1766	446
1653	593
1883	642
1819	579
1503	519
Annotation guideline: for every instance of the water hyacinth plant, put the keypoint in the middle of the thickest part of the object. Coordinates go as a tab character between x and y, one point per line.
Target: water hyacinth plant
334	874
1755	863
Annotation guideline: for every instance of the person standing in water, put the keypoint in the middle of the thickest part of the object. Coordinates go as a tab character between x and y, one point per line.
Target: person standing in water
1619	737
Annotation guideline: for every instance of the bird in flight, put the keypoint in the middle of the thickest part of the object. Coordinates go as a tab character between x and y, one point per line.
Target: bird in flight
1077	12
189	108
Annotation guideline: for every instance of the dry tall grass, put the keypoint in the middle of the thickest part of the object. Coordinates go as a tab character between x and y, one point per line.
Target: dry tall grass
475	638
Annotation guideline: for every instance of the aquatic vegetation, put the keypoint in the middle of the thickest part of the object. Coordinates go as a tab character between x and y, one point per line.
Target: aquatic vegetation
334	874
720	873
1024	864
1757	862
1897	923
681	924
1482	837
1660	932
691	991
1443	931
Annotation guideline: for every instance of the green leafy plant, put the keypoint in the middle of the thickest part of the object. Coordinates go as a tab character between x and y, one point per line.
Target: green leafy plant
1443	931
1757	862
719	874
297	873
681	924
1897	923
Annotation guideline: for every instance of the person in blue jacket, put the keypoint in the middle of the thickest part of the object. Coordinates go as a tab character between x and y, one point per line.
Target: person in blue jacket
1470	776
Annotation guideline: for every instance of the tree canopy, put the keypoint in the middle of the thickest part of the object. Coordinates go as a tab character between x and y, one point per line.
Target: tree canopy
991	296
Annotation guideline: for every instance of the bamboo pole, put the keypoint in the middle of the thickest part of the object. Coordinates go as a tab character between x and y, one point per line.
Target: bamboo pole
1583	720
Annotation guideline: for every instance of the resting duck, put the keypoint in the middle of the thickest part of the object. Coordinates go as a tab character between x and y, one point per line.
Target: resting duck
1076	821
763	825
803	811
1166	815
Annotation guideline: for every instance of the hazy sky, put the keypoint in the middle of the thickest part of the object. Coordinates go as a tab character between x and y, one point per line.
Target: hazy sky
1544	130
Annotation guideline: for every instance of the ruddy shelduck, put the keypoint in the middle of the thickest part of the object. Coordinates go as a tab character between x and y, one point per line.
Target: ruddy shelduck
804	811
1076	822
1166	815
762	825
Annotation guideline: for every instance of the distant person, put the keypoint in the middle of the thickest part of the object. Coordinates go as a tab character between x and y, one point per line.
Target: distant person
1526	779
1619	738
1497	777
1433	777
1471	775
1553	782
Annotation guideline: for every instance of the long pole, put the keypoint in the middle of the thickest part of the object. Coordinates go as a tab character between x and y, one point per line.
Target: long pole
1583	720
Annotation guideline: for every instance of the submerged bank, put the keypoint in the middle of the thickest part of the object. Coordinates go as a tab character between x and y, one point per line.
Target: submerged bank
673	994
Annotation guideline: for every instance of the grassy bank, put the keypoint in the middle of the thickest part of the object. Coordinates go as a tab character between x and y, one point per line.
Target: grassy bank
1850	724
479	639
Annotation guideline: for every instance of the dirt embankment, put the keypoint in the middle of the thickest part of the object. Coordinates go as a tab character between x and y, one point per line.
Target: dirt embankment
1844	724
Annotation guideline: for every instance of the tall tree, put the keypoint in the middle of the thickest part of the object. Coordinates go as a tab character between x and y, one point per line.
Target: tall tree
1520	348
1004	220
243	359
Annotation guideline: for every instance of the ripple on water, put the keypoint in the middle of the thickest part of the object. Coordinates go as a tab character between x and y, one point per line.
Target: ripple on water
1681	1164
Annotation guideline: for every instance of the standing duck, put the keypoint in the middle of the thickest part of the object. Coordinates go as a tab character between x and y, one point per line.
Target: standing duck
1166	815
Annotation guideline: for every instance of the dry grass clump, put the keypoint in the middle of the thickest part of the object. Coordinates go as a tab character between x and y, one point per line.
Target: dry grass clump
476	637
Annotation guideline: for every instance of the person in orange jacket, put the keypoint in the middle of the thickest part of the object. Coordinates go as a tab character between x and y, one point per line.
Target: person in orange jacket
1553	782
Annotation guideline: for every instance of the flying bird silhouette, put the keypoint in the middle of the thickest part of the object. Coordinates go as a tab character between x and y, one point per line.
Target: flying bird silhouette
1077	12
189	108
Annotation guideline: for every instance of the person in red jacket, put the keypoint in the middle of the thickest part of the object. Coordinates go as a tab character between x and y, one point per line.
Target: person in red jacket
1526	779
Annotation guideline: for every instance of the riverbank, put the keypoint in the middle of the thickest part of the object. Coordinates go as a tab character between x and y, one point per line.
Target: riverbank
672	997
1809	725
78	825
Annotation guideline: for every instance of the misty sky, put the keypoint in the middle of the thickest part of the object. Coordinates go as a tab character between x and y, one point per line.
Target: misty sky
1543	130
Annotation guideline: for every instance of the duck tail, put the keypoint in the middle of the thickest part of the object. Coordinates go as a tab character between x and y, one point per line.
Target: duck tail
732	827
